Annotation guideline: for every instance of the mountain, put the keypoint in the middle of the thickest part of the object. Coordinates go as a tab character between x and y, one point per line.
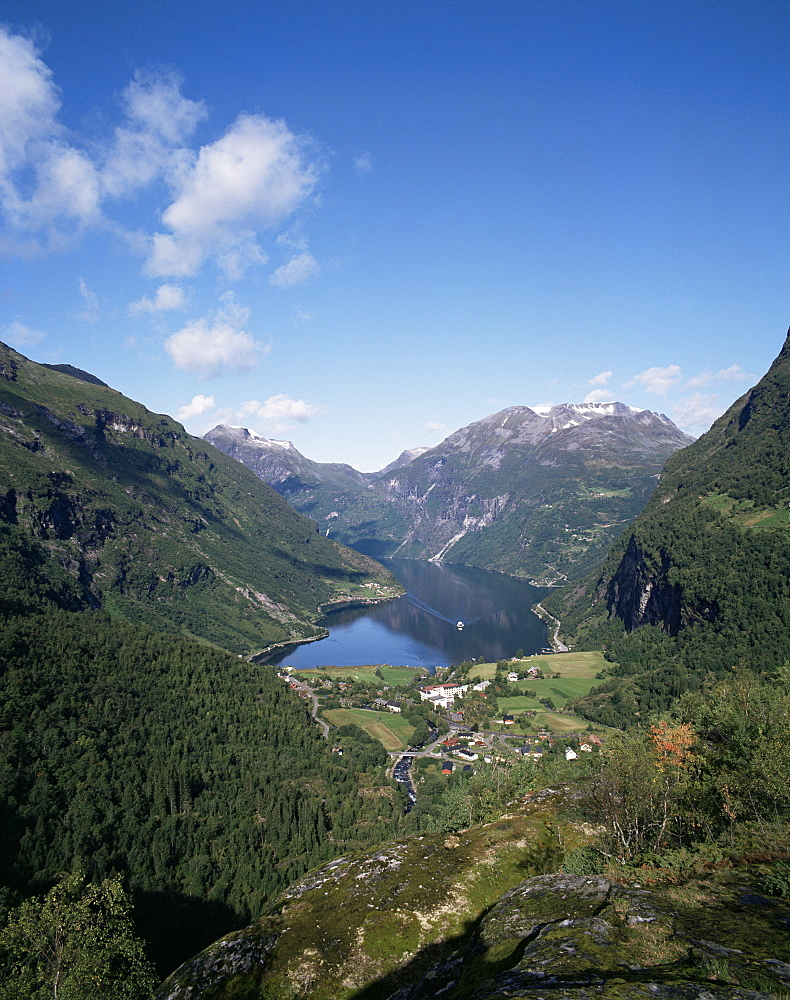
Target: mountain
128	512
279	464
404	458
701	580
539	493
77	373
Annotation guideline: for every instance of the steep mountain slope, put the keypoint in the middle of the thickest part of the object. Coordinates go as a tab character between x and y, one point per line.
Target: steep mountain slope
701	579
533	493
155	525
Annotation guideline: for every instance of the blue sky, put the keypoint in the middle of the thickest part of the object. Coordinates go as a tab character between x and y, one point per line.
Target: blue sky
362	225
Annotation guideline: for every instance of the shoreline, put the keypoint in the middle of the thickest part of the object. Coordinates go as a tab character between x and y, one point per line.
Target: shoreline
345	604
268	650
543	614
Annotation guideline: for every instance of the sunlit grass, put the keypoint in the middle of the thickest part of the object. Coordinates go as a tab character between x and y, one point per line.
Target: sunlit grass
390	729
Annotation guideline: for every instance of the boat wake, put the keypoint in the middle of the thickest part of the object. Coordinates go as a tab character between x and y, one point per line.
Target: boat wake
458	623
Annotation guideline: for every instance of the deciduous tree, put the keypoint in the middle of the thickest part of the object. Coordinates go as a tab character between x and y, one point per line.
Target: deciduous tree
74	943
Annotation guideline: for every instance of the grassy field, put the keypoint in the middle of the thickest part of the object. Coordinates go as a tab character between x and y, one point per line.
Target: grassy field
367	673
744	513
393	732
577	675
554	722
583	666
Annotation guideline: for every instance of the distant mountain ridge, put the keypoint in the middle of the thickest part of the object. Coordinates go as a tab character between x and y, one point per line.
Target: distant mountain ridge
128	512
279	462
533	492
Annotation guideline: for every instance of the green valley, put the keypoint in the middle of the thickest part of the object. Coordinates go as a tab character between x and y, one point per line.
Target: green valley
182	794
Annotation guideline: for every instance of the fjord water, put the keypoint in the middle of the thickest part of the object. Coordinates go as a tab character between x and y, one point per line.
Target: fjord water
495	609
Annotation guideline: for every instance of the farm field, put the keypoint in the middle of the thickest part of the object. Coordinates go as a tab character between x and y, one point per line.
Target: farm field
553	721
560	689
557	723
577	675
583	665
391	675
393	732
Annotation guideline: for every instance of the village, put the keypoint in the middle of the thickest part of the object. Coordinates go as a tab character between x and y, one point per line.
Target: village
474	713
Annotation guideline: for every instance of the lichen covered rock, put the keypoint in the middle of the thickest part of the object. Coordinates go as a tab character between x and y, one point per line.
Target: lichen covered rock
453	918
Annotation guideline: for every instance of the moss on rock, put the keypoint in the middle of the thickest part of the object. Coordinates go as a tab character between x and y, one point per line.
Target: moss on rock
454	917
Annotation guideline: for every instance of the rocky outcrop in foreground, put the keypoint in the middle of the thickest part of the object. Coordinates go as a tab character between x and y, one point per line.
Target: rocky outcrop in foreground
567	936
452	917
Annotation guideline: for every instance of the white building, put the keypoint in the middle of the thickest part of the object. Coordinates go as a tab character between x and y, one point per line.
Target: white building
442	695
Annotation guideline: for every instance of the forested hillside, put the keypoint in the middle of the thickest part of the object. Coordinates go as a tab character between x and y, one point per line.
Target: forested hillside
157	526
197	776
701	581
136	564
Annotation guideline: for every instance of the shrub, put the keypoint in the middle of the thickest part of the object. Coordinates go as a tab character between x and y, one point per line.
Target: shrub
776	882
583	861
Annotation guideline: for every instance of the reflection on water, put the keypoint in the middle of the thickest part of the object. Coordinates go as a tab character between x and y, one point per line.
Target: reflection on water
422	631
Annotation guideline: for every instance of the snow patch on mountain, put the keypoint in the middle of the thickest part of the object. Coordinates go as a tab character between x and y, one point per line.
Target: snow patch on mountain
252	437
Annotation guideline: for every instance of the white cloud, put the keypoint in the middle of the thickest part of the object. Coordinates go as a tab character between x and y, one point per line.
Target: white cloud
92	312
363	163
598	396
160	120
433	428
252	178
53	186
725	375
657	380
167	297
49	189
695	413
30	99
244	254
298	270
197	406
280	412
19	335
216	345
293	239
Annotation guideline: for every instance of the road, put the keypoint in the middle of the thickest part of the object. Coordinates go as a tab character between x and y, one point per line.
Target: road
305	689
558	647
